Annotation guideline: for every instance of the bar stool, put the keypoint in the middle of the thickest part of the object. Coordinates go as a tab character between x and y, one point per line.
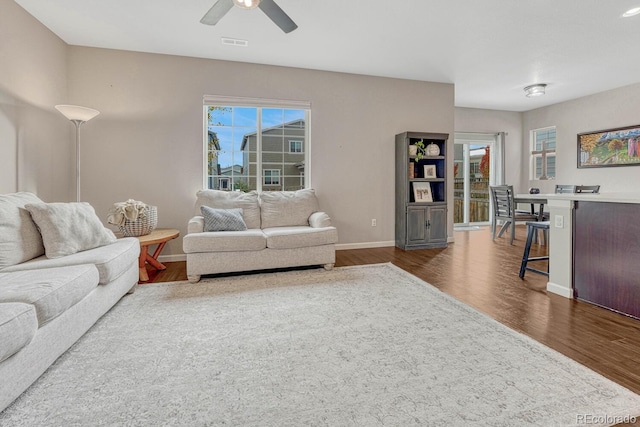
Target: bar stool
532	229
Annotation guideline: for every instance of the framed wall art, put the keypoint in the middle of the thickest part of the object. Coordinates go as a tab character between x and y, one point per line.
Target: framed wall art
609	147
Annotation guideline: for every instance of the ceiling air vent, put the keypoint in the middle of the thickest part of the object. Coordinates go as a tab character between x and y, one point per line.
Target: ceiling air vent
235	42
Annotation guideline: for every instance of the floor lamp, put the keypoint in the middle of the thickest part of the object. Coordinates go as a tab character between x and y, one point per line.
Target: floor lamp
78	116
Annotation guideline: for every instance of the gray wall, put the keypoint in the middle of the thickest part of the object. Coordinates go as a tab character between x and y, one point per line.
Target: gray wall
147	142
615	108
494	121
36	141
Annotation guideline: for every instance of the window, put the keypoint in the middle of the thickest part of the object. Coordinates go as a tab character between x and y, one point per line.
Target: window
256	144
271	177
295	146
543	153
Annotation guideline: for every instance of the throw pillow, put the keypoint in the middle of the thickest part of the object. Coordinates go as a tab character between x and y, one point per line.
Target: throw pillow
287	208
223	219
20	239
67	228
218	199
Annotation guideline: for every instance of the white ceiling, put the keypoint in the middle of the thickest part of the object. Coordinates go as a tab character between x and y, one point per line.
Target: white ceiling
490	49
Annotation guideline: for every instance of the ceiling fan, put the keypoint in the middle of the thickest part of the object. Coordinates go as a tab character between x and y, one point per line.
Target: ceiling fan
269	7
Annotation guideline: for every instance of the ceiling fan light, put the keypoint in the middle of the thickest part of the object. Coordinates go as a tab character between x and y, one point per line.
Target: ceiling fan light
535	90
246	4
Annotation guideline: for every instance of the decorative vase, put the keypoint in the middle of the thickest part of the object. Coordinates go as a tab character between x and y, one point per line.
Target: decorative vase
141	226
413	150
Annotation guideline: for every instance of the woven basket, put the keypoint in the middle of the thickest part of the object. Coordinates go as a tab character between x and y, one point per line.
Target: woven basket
141	226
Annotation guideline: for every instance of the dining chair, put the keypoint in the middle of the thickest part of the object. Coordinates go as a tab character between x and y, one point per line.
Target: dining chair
504	210
587	189
565	188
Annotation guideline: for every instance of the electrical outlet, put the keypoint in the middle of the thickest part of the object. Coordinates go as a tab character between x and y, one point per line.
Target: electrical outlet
373	222
559	221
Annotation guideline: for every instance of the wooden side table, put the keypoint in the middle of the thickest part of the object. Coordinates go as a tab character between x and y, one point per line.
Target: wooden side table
160	237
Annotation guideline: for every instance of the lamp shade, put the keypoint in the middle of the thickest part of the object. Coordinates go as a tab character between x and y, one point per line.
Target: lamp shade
75	112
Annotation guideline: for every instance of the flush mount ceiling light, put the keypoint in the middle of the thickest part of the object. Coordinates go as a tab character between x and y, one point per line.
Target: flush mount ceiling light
631	12
535	90
247	4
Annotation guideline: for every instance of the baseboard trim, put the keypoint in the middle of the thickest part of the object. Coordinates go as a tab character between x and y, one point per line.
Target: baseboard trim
365	245
172	258
559	290
343	246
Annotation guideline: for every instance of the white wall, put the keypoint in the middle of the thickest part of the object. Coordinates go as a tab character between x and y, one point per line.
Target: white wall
494	121
614	108
147	142
36	142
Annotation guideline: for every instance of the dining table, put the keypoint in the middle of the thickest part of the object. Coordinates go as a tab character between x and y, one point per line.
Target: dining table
533	200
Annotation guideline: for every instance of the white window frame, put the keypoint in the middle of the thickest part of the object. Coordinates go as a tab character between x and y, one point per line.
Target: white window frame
259	103
273	173
296	142
544	153
226	180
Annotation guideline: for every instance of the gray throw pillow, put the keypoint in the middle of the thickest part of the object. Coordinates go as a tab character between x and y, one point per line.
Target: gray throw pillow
223	219
68	228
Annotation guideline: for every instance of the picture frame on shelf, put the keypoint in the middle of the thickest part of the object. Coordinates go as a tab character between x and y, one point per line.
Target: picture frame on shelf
430	171
422	192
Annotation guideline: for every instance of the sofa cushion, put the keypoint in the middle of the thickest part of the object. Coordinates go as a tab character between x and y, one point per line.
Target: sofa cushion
51	291
18	325
110	260
222	219
67	228
248	202
299	237
287	208
224	241
20	239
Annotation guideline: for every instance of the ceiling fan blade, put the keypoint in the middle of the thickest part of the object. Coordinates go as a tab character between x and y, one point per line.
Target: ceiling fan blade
277	15
217	11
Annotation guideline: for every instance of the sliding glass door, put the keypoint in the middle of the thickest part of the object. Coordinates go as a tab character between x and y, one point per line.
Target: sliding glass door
476	160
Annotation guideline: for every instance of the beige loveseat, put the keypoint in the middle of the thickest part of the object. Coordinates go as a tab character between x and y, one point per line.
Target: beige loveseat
283	229
52	288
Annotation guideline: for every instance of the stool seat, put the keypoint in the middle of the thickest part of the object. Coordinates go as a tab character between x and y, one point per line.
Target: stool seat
532	228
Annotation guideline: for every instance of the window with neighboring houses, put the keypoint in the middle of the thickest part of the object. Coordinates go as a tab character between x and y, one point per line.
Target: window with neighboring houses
295	146
255	144
543	153
271	177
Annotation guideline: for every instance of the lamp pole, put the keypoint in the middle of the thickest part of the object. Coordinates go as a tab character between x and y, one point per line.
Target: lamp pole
78	116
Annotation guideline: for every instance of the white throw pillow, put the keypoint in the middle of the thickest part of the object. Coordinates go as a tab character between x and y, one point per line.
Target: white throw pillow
67	228
287	208
218	199
20	240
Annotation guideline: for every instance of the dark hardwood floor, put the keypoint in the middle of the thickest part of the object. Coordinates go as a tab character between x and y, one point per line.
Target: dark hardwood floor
484	274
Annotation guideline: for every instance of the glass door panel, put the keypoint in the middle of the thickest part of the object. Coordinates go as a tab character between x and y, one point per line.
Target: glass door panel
472	177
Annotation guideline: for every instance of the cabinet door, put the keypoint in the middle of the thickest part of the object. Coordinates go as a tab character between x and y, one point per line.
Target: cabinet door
437	224
417	225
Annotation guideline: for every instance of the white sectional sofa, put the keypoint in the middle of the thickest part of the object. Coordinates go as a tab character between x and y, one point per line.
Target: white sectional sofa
283	229
48	300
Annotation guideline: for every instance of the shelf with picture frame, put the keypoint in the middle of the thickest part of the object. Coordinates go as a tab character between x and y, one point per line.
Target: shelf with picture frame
421	197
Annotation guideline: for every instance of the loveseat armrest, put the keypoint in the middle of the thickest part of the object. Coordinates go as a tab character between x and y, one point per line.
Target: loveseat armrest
319	220
196	224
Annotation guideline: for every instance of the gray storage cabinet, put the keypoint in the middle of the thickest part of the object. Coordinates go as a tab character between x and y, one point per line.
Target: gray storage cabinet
421	222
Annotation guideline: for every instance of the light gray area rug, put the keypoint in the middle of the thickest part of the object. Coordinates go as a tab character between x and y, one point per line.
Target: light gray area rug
356	346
